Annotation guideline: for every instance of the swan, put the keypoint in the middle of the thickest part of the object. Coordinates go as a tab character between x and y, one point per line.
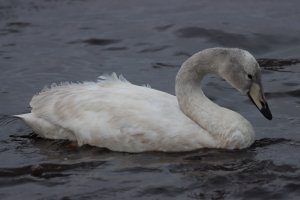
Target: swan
120	116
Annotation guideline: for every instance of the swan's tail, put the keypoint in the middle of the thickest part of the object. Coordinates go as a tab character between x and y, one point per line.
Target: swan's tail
45	128
30	120
27	117
38	125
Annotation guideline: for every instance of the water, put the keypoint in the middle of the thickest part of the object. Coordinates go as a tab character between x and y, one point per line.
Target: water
46	41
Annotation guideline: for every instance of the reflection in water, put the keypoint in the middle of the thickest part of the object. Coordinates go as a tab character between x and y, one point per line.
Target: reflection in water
206	173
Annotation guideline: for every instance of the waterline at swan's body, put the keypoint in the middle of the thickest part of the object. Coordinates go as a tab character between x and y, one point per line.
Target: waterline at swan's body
118	115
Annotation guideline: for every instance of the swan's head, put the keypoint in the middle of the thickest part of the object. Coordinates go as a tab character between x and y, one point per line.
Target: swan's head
242	71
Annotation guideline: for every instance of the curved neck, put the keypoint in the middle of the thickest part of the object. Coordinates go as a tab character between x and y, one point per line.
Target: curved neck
192	101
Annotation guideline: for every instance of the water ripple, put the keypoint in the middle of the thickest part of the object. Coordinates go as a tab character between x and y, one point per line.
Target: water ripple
48	170
282	94
269	63
96	41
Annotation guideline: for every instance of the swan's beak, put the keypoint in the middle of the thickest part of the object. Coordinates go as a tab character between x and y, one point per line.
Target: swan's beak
257	97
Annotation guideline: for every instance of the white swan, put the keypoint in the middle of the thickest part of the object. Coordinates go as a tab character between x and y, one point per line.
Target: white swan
120	116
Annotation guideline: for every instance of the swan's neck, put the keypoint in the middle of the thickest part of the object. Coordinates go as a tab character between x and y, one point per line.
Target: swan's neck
221	123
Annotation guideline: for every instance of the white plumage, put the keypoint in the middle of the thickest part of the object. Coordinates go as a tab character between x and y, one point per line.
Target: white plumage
121	116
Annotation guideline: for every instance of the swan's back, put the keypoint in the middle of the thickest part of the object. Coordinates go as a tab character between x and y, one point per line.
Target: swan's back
115	114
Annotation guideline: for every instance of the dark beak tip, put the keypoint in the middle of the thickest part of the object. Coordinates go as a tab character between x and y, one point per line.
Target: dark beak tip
266	112
269	117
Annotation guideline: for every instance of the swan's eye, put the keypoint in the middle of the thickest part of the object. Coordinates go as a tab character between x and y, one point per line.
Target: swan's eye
250	76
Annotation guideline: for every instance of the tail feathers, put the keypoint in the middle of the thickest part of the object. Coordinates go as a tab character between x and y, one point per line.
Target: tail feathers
31	120
22	116
44	128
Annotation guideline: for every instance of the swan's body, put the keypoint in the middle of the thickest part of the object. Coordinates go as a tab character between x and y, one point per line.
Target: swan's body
120	116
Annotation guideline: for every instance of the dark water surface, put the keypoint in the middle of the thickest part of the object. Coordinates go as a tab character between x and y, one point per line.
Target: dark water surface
46	41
